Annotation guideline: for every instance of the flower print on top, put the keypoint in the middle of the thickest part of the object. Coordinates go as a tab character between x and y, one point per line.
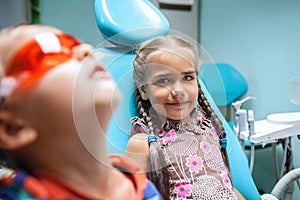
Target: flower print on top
205	146
194	159
182	190
226	179
169	137
195	163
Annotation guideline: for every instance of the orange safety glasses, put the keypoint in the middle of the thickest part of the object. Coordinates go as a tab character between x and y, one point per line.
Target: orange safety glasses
42	53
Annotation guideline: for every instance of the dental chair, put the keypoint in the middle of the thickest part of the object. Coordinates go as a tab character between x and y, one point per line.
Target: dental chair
224	82
226	85
124	25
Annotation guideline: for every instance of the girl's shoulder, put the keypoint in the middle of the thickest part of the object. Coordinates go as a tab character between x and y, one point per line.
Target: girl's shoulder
198	113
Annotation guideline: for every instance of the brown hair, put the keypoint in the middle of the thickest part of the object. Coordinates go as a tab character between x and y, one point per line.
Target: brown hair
159	176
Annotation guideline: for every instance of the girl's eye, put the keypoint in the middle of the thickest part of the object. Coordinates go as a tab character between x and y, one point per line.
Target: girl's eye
188	78
162	81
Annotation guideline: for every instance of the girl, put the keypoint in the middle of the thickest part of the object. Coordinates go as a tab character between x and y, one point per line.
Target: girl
187	140
52	91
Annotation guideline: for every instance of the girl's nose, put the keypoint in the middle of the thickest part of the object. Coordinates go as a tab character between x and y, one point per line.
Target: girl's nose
177	94
81	51
177	90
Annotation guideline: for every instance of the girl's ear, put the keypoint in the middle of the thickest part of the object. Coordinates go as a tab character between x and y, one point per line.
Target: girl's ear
14	135
143	92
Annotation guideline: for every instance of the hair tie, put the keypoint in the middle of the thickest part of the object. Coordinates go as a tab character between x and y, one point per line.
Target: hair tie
223	142
152	138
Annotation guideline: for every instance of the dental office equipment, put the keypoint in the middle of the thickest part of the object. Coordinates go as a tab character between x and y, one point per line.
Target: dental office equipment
242	123
251	125
237	108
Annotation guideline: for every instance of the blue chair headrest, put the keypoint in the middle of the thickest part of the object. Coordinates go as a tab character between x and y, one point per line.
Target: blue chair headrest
129	22
224	82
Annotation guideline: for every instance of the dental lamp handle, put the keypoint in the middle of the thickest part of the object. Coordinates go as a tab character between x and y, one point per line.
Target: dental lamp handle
237	104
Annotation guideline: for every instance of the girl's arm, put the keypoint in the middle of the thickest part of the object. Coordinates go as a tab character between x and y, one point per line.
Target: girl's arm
238	194
138	149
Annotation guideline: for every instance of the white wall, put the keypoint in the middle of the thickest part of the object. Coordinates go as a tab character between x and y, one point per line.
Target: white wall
73	16
184	21
261	39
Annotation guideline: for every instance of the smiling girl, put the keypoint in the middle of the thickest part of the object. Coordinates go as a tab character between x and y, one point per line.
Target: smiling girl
178	138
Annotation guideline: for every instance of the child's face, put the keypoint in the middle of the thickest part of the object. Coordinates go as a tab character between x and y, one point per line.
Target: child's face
171	85
50	100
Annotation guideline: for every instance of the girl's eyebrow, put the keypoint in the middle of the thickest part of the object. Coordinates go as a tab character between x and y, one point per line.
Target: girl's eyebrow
166	74
189	72
162	75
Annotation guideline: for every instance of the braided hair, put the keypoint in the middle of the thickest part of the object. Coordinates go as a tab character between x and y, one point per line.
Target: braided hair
216	122
157	172
156	167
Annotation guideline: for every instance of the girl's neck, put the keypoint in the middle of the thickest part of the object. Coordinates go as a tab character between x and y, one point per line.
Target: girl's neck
160	120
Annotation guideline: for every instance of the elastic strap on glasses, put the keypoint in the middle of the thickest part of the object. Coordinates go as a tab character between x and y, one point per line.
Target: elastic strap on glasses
7	85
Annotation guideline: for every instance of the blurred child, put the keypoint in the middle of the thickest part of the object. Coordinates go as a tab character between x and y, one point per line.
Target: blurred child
51	89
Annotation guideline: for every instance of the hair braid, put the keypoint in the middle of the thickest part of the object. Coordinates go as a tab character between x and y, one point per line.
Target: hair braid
216	122
144	113
157	171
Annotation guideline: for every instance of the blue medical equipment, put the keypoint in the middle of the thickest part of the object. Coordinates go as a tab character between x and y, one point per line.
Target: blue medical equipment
122	24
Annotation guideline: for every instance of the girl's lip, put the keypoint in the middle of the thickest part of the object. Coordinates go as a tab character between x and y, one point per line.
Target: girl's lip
99	72
177	103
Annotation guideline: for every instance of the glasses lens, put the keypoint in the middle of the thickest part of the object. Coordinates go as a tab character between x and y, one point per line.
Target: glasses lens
39	55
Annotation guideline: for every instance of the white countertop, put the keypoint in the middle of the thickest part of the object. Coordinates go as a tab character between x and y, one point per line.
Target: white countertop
275	126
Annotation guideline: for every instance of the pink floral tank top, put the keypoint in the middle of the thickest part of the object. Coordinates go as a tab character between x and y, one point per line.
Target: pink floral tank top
192	152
